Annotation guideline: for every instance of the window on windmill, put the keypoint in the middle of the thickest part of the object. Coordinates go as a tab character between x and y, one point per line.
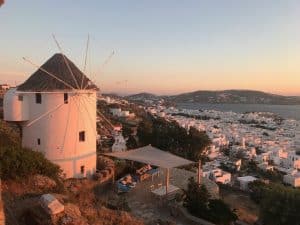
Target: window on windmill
38	98
82	169
39	141
82	136
20	98
66	98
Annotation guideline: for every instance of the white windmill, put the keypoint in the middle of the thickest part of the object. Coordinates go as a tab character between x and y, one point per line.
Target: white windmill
56	109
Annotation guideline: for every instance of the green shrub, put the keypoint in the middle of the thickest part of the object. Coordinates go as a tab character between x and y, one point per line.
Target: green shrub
257	190
279	205
9	135
197	199
123	168
199	204
220	212
16	162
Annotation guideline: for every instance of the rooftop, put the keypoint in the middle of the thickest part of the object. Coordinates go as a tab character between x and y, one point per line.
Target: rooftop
67	74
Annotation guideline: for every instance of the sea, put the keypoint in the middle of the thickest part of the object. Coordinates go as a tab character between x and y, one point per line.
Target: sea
285	111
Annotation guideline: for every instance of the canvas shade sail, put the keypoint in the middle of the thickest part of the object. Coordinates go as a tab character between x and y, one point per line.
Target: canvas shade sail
153	156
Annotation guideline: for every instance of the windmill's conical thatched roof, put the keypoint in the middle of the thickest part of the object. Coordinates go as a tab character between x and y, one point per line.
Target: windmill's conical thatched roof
40	81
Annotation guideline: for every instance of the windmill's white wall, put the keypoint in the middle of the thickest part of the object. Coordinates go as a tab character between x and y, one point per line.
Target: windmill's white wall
13	108
58	130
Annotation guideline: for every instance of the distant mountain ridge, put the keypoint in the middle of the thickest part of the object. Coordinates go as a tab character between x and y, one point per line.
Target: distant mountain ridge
144	96
221	97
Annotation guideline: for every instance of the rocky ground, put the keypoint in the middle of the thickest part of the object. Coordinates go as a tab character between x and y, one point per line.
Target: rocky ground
79	197
89	202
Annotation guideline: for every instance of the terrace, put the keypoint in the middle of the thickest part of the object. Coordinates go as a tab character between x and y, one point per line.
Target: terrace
147	206
156	197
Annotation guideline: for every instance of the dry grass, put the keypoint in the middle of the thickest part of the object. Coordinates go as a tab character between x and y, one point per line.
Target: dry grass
24	187
18	196
111	217
93	207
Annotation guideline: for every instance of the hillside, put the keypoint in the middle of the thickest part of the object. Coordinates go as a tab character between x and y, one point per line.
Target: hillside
226	96
143	96
26	175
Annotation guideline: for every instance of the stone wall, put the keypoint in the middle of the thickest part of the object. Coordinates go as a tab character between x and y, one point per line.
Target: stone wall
105	169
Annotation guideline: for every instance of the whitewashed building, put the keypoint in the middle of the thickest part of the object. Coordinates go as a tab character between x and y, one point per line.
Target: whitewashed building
217	175
292	179
120	113
56	108
244	182
115	111
119	144
4	87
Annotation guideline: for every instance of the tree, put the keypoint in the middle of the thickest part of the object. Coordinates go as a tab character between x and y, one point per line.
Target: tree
145	131
169	136
197	198
126	131
131	143
280	206
198	141
274	176
199	204
240	155
257	189
220	213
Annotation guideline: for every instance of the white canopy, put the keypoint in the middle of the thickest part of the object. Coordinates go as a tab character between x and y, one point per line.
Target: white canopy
153	156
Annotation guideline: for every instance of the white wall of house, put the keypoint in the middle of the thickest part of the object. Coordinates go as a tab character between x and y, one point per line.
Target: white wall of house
217	175
115	111
223	177
292	179
119	144
293	160
244	181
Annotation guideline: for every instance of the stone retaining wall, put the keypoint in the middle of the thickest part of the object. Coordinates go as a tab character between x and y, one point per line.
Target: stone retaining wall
106	171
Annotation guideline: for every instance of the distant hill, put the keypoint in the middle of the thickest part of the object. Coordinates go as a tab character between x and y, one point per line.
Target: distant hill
143	96
226	96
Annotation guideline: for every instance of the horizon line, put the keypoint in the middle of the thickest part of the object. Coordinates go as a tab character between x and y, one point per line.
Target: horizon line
208	90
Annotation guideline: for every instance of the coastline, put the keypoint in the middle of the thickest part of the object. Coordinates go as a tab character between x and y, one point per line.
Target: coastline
285	111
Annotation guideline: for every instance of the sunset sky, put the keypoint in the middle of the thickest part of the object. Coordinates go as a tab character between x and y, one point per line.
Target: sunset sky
162	46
